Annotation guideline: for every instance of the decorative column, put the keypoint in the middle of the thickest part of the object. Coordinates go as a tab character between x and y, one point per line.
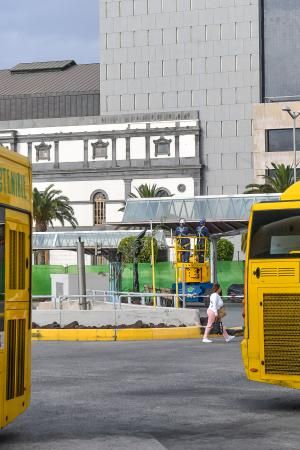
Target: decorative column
114	151
147	143
197	185
127	182
85	153
177	124
14	143
197	147
56	154
177	147
29	151
128	150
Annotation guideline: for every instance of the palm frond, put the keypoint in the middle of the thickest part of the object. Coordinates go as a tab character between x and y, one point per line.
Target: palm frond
50	205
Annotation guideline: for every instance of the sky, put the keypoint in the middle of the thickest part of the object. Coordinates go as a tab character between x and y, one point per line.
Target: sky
48	30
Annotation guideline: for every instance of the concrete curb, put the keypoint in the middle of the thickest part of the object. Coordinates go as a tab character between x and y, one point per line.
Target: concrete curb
128	334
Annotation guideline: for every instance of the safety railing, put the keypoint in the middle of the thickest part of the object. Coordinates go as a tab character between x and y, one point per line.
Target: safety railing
156	300
85	302
135	299
191	249
45	298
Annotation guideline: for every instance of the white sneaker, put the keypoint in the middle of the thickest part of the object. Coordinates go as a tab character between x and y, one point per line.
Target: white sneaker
206	341
229	338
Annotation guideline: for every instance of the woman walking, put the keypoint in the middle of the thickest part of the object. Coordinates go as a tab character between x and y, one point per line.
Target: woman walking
216	303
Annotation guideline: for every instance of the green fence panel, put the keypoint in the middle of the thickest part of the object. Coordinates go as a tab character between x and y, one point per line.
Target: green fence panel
230	272
41	281
164	275
103	268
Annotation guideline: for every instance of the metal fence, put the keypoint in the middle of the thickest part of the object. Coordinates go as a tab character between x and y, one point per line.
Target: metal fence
134	299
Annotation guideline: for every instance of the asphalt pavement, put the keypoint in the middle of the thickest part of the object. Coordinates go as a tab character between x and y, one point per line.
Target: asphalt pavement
151	396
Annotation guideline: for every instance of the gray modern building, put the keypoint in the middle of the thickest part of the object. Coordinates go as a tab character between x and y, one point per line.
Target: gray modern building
165	56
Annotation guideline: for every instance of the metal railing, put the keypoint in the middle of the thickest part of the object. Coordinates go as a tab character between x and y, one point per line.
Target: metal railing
134	299
84	301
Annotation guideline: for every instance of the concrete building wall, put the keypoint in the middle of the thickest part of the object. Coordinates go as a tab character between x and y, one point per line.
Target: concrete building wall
203	55
269	116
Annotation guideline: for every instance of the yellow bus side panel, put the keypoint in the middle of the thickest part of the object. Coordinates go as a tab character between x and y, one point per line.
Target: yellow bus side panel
270	354
17	252
16	379
15	180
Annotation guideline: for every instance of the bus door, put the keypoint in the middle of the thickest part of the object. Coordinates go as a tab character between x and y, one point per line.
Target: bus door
275	316
17	326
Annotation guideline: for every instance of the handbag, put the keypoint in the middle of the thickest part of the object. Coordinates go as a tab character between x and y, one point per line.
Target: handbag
221	313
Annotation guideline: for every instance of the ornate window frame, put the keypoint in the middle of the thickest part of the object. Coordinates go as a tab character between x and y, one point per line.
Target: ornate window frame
100	149
43	151
99	199
162	146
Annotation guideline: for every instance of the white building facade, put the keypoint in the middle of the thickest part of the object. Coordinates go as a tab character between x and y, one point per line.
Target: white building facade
87	160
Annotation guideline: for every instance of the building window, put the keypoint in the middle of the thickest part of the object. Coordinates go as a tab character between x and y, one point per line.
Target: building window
162	146
100	149
281	140
281	51
99	201
43	151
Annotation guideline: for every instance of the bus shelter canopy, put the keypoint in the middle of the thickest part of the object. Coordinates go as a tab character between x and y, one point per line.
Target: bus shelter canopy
101	240
225	214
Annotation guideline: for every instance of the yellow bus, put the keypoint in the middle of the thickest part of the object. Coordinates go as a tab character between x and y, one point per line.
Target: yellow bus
271	345
15	284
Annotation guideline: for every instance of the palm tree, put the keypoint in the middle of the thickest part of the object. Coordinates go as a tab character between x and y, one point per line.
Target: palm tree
148	191
49	205
278	181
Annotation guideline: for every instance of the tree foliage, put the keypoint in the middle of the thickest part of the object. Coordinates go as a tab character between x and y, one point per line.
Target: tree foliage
148	191
126	249
49	205
279	180
225	250
244	238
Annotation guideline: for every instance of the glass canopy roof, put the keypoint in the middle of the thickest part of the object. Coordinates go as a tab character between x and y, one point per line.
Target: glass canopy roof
224	213
108	240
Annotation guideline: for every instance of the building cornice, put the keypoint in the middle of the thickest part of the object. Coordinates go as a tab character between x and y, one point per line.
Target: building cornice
98	120
116	173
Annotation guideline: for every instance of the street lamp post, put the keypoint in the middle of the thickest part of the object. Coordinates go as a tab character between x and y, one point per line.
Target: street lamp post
294	115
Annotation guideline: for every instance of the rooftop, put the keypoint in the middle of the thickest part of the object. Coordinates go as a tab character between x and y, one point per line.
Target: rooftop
49	77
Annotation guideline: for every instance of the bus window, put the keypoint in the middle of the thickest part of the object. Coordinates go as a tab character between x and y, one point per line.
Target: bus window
275	234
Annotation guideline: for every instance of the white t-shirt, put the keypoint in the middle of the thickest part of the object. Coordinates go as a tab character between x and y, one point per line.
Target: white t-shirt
215	303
